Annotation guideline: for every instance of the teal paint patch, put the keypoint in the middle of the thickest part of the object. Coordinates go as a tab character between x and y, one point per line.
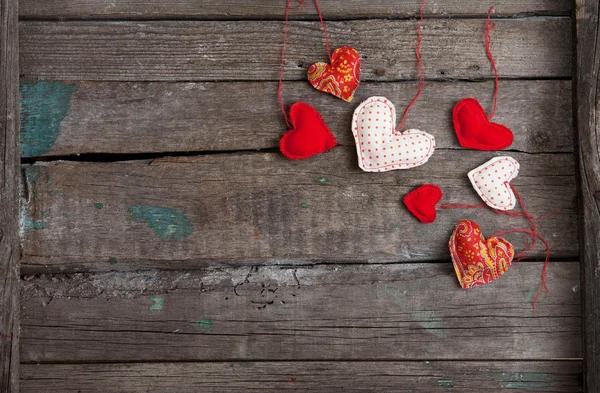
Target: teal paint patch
304	205
447	383
98	205
322	180
204	324
429	320
44	105
166	222
28	224
524	381
159	302
427	362
112	260
52	193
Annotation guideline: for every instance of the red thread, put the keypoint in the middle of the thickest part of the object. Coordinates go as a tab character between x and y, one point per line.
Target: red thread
282	65
489	27
421	70
531	242
460	206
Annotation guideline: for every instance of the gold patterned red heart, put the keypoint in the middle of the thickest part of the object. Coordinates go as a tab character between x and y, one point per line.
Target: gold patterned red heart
477	260
339	78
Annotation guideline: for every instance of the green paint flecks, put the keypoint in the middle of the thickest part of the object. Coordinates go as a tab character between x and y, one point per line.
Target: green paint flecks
204	324
112	260
166	222
445	383
524	381
304	205
159	302
44	105
322	180
98	205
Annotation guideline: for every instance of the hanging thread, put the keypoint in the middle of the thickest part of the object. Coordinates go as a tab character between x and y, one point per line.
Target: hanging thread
489	27
283	48
420	69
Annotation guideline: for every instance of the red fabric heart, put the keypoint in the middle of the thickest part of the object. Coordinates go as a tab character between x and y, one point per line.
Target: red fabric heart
309	135
477	260
339	78
475	131
422	201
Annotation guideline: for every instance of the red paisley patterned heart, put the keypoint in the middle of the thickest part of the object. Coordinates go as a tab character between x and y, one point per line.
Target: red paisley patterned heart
339	78
477	260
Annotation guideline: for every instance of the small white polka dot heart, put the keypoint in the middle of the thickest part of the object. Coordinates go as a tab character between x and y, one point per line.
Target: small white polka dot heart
380	147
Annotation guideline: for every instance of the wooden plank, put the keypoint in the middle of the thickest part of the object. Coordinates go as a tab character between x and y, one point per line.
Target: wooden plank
190	211
251	50
268	9
9	197
588	128
320	312
67	118
326	377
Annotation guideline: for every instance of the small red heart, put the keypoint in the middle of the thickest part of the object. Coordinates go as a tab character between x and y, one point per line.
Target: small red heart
475	131
309	135
422	201
339	78
477	260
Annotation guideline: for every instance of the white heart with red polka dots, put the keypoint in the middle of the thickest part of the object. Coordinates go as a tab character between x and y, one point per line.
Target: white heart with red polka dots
492	182
379	146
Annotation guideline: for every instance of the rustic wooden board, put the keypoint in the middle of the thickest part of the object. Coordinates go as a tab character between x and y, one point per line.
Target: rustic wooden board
9	197
320	312
268	9
110	117
190	211
251	50
326	377
588	127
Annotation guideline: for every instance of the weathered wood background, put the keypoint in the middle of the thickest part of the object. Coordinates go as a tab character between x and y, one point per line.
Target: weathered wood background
166	244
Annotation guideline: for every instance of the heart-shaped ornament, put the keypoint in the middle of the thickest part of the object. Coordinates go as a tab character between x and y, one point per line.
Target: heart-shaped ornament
379	146
492	182
422	202
477	260
475	131
309	135
339	78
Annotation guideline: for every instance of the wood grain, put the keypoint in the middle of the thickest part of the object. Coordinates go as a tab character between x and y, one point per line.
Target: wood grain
9	197
325	377
250	50
588	129
319	312
112	117
238	208
268	9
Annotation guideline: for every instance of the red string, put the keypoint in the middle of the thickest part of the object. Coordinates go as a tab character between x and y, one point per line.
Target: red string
323	25
420	69
282	65
489	27
460	206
